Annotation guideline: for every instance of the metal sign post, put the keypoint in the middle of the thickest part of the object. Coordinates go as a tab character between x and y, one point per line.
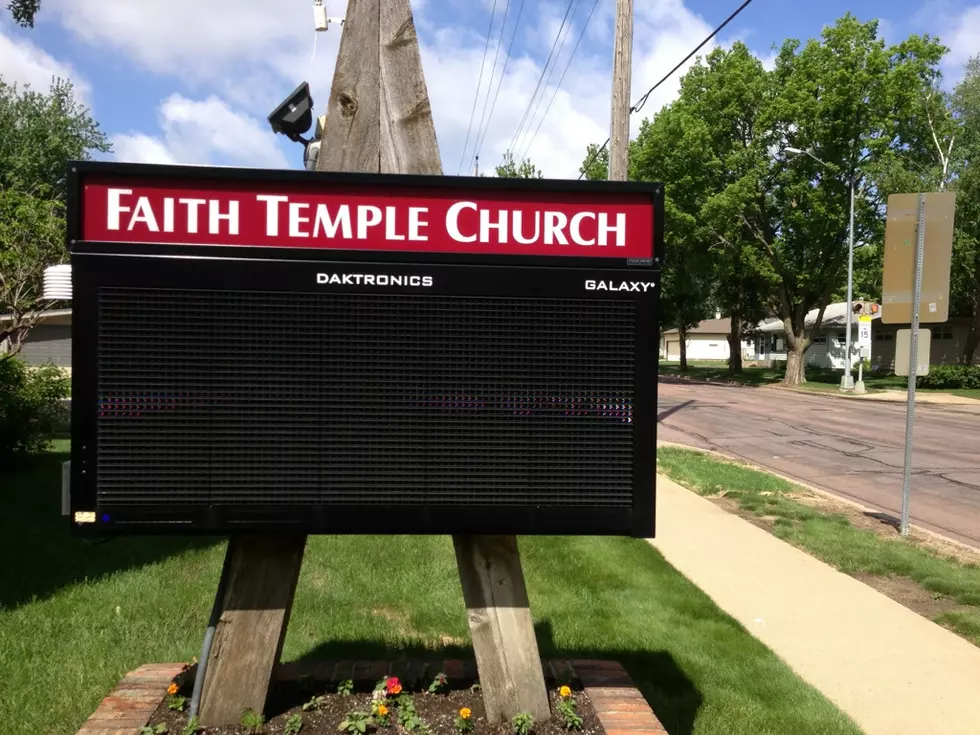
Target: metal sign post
913	355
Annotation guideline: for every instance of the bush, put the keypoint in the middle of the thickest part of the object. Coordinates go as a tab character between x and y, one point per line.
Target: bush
31	408
951	377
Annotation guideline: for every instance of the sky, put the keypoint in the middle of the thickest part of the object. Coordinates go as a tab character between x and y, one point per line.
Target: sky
193	81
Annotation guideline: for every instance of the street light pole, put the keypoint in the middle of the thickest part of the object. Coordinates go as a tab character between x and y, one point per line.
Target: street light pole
847	381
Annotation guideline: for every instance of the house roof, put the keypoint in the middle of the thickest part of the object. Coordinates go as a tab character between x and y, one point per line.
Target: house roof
835	315
708	326
57	315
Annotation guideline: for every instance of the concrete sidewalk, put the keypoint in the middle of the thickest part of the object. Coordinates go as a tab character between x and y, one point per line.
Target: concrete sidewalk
893	671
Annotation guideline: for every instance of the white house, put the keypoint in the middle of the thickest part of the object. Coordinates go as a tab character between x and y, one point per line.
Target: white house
767	342
827	350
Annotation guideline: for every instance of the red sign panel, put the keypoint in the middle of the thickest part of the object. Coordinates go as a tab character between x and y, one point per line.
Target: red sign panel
364	217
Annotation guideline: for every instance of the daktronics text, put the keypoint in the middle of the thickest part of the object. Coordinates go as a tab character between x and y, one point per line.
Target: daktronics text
372	279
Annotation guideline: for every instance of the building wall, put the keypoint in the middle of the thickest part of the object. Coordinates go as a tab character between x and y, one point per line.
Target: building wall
699	347
48	343
945	347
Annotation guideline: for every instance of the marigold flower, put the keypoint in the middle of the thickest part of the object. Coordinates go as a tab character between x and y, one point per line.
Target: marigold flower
466	713
394	686
172	689
382	710
565	691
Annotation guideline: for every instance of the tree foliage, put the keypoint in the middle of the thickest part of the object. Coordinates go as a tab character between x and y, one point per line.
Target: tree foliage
39	133
508	169
24	11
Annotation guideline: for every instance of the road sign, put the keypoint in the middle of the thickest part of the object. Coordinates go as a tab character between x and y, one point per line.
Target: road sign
864	331
900	243
903	349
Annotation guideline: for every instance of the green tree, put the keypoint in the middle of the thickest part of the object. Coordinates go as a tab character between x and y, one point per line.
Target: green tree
39	133
727	93
965	275
670	148
852	103
595	165
24	11
510	170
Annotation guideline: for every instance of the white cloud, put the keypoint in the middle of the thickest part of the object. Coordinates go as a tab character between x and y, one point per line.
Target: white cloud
249	55
140	148
963	39
202	132
22	62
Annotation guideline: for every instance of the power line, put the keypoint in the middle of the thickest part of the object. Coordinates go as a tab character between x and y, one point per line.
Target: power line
503	72
643	100
493	71
595	4
540	79
561	45
479	83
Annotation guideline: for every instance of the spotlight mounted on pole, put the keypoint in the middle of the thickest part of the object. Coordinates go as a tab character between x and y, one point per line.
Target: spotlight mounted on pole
294	117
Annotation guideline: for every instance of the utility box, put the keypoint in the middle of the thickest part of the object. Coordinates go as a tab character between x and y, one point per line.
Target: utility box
351	353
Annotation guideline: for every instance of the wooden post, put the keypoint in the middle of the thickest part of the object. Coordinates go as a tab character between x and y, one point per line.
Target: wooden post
619	138
499	614
378	120
262	571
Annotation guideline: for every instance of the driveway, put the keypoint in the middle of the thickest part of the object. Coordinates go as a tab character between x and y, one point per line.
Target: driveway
852	448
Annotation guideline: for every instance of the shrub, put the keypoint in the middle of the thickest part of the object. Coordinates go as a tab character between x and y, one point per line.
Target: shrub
31	408
951	377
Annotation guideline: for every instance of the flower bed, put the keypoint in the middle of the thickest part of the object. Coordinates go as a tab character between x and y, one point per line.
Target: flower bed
411	699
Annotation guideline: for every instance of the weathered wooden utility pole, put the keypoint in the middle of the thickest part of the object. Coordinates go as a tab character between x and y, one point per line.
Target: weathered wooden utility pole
378	120
619	138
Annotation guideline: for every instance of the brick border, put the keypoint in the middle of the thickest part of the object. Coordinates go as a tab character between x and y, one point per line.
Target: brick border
132	703
620	707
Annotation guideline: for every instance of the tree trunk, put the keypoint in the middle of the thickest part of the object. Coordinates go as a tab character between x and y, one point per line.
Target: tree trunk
795	364
735	346
973	338
682	338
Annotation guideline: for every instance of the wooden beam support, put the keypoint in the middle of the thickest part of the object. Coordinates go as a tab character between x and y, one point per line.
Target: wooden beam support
262	571
351	140
499	613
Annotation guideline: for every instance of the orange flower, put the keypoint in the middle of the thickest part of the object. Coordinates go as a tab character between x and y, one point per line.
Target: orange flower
172	689
382	710
565	691
393	685
466	713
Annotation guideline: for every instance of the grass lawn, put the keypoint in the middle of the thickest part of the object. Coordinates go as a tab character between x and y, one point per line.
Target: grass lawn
831	536
75	617
818	379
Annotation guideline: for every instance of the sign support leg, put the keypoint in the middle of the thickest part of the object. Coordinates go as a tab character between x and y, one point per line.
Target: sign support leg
913	363
261	574
499	615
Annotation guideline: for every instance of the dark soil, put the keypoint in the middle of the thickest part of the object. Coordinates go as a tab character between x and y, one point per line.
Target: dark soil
437	711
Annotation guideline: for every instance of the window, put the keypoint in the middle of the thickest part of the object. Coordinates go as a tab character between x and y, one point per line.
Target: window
841	337
942	332
820	339
884	336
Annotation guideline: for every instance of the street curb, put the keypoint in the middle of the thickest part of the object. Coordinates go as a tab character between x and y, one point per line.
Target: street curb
816	490
951	407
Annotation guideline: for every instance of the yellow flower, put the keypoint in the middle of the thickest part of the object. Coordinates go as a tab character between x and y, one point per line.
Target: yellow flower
382	710
172	689
565	691
465	713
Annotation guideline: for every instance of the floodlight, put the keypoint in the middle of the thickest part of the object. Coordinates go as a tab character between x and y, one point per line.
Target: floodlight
294	116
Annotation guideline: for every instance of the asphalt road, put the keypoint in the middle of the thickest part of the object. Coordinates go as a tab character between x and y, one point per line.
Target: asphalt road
854	449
